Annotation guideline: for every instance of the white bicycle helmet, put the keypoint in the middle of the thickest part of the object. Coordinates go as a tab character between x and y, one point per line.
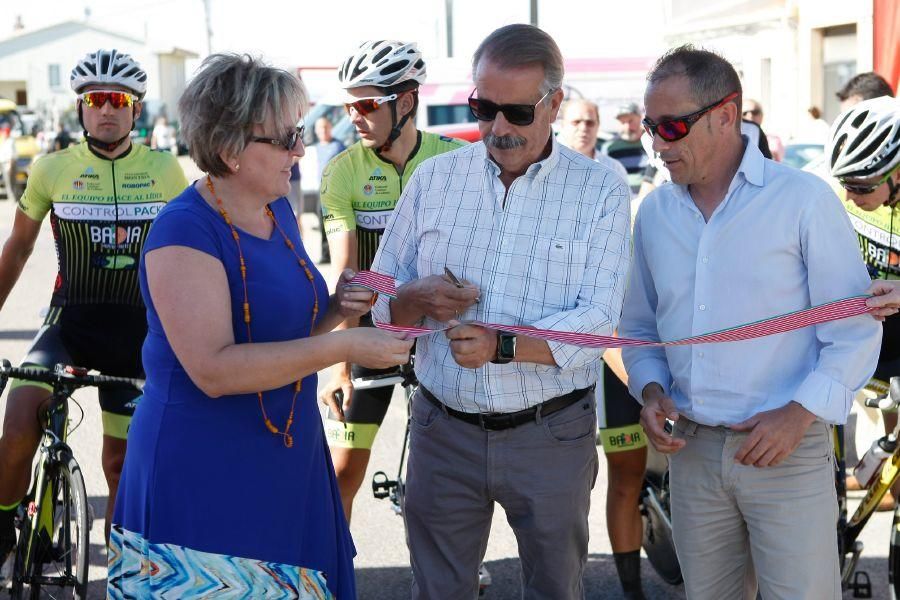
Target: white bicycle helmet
109	67
383	63
865	140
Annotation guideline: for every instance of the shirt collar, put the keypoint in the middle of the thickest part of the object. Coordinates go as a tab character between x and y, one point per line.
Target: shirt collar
753	164
537	171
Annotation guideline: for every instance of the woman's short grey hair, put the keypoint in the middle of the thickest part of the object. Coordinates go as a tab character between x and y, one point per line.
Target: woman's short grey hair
711	76
229	94
520	45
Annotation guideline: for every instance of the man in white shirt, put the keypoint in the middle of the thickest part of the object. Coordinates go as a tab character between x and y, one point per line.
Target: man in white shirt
735	239
540	236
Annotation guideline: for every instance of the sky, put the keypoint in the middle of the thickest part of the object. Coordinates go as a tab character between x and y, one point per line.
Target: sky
321	32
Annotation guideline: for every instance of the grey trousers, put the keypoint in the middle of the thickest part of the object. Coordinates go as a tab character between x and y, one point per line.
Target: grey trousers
540	472
783	518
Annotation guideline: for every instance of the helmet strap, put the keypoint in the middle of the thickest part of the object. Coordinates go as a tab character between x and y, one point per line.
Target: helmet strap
397	126
894	192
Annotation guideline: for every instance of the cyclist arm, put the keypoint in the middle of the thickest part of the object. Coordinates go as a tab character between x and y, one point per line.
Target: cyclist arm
613	359
189	290
340	227
16	250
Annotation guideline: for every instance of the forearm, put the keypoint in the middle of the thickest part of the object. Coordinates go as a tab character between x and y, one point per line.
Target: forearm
333	320
12	261
247	368
533	350
613	359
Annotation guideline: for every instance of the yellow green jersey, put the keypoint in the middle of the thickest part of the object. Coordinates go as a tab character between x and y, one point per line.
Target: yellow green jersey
360	190
100	213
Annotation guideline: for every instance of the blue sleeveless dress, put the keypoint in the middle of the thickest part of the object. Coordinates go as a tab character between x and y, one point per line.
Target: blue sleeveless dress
210	503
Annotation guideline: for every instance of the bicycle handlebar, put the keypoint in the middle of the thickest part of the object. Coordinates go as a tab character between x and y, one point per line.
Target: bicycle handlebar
65	376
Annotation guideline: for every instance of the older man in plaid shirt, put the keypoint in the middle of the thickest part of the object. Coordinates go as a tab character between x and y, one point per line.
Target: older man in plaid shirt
539	235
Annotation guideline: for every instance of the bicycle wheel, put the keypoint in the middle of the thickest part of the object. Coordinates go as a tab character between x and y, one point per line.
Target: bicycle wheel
894	558
59	541
657	539
68	556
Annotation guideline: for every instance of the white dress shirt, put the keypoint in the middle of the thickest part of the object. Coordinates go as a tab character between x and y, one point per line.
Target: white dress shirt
552	252
780	241
616	166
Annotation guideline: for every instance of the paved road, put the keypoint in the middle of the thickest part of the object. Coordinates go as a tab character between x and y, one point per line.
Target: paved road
383	561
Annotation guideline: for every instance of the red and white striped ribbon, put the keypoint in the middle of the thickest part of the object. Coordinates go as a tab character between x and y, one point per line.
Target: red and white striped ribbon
823	313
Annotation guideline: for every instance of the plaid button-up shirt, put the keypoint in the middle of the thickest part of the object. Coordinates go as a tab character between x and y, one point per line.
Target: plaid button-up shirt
552	251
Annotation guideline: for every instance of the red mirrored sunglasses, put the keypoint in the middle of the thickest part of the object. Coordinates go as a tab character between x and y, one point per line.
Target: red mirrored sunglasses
674	129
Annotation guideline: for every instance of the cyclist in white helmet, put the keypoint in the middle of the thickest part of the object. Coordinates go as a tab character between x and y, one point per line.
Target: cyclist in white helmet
863	155
360	187
101	195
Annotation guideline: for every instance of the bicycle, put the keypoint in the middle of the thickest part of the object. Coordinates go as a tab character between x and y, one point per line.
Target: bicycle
885	475
53	520
395	489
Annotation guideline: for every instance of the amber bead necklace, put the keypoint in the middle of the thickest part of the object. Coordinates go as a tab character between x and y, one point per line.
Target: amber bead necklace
298	386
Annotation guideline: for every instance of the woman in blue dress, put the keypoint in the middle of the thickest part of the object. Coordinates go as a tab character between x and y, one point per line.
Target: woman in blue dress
228	489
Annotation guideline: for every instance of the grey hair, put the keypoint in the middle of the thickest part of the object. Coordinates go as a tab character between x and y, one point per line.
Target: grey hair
229	94
710	75
521	45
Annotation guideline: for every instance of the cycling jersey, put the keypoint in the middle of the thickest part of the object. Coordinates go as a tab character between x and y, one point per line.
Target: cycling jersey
879	240
100	212
360	190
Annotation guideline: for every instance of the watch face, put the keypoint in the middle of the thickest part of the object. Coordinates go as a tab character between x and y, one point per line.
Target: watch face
507	346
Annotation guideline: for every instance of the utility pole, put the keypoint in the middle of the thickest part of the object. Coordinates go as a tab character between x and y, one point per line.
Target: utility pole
209	32
448	19
533	12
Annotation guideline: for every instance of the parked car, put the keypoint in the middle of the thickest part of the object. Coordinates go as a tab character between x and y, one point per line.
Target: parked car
800	154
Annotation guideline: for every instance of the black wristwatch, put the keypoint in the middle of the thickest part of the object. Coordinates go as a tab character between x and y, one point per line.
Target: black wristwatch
506	348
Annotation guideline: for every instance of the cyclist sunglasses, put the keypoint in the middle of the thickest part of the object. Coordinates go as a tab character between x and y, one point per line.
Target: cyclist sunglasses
287	142
516	114
368	105
673	130
97	98
863	189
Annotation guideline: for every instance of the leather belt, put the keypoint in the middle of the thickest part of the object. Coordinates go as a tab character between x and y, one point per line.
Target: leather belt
500	421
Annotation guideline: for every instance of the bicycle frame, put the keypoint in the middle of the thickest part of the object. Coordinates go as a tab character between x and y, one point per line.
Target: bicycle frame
848	530
53	445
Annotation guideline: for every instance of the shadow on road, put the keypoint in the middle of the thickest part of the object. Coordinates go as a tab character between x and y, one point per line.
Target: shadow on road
601	582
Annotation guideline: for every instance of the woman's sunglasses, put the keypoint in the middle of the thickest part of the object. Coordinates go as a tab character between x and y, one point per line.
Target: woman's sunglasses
516	114
287	142
365	106
97	98
673	130
863	189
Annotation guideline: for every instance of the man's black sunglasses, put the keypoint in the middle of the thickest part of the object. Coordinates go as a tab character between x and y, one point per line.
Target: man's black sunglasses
287	142
676	128
516	114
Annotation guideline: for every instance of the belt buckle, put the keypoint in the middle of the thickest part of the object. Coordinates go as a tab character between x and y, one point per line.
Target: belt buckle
495	421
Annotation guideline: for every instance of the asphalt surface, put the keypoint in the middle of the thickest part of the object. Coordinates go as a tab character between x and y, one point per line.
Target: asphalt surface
382	562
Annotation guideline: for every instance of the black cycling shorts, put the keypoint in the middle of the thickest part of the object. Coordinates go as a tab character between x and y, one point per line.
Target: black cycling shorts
367	409
618	415
106	338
